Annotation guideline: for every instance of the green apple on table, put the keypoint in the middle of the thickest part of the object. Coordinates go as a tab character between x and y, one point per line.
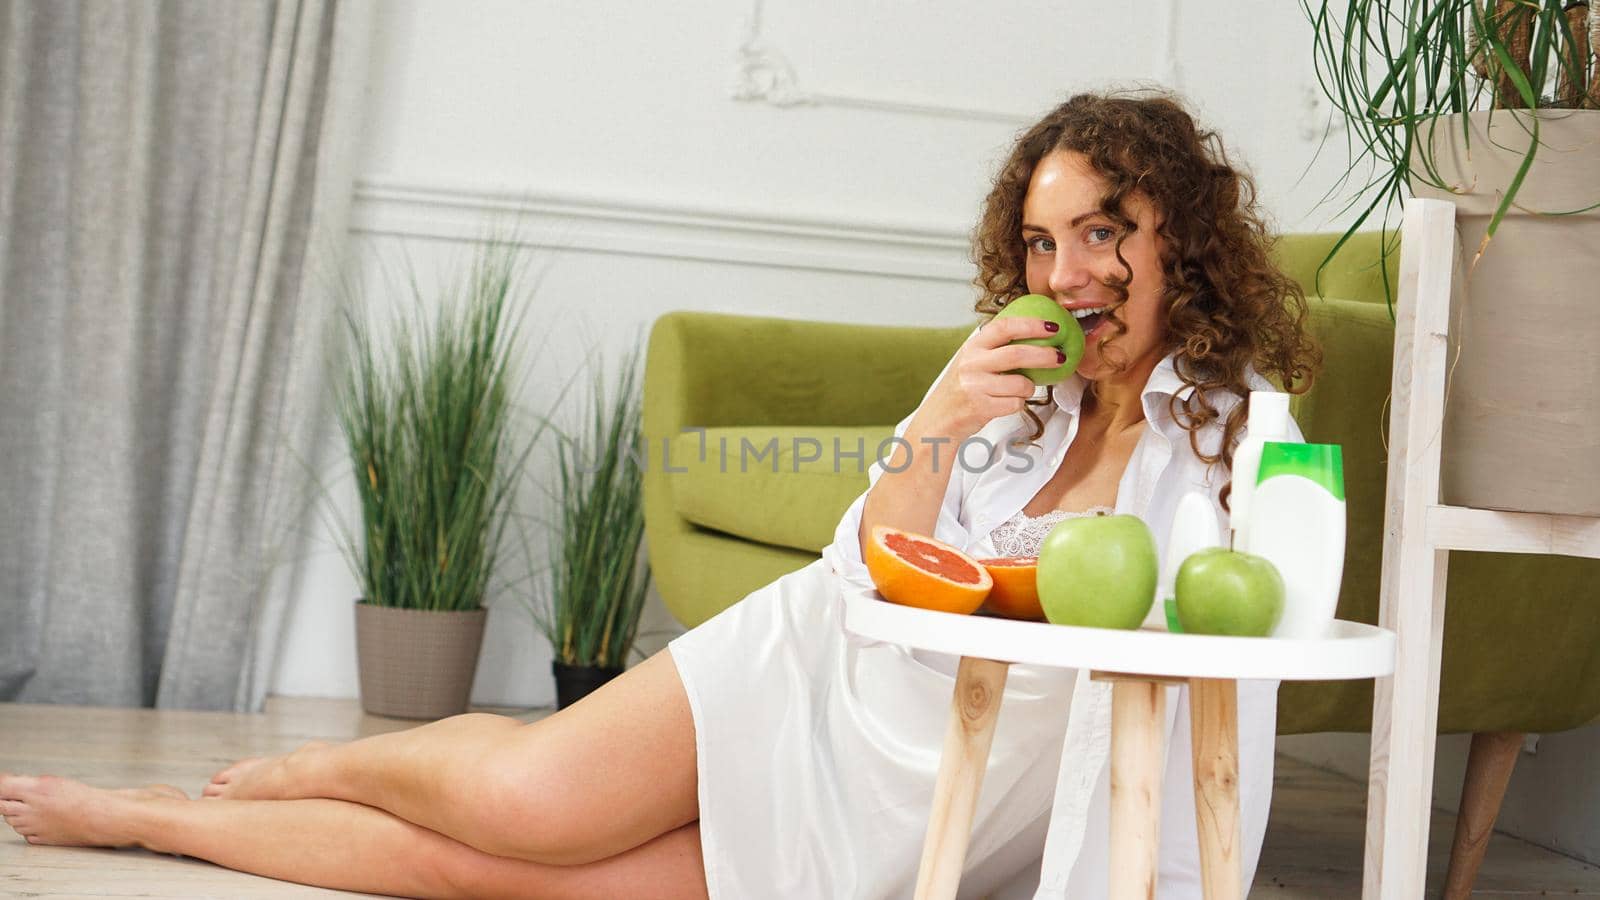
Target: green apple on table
1222	591
1098	571
1068	338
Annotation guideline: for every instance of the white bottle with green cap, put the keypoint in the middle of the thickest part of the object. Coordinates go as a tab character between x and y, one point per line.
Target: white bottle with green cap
1297	522
1268	420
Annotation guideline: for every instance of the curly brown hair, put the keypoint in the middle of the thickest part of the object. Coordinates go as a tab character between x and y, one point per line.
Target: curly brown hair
1228	307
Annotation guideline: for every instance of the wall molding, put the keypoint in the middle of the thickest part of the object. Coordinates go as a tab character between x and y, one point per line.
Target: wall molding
762	73
386	205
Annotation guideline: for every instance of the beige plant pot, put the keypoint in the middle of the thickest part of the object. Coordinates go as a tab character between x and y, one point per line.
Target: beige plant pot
414	663
1522	417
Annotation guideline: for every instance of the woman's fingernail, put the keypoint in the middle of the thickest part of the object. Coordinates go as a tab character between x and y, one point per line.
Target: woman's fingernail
1060	357
1052	326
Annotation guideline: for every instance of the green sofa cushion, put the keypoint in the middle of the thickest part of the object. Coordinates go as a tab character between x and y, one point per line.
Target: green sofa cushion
716	570
760	483
1355	274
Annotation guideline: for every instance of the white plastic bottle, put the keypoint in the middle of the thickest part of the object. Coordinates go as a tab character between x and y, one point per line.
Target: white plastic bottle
1268	421
1194	527
1297	522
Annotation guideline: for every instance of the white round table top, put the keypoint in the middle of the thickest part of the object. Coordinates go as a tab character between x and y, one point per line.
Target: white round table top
1349	650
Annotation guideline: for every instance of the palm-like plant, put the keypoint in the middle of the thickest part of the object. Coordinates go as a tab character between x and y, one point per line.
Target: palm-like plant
590	597
1392	68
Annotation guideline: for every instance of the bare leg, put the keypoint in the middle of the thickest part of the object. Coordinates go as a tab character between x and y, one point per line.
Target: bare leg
599	778
332	843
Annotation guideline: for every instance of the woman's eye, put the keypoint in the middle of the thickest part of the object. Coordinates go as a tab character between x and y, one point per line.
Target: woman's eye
1100	234
1041	245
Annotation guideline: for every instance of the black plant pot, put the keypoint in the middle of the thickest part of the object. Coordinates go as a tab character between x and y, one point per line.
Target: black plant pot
573	683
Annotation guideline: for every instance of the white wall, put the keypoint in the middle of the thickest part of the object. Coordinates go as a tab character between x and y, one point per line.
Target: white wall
819	160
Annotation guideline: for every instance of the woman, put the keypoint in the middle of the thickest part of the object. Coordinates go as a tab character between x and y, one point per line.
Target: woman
766	753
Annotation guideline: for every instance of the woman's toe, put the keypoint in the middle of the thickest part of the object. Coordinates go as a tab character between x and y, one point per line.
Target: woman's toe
13	787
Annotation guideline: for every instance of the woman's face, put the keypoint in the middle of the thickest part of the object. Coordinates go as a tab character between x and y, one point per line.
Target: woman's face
1071	253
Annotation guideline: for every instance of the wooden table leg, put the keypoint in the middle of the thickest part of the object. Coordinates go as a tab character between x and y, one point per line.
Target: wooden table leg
1138	751
1214	736
980	684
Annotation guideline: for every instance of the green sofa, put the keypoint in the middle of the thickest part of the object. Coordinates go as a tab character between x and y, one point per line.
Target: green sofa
1522	634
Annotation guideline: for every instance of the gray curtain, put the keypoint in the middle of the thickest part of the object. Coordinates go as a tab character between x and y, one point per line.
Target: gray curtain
160	349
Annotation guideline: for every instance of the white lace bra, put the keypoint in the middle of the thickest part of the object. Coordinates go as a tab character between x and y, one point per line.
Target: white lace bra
1023	535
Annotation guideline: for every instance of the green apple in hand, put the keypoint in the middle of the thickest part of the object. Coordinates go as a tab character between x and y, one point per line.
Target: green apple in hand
1068	338
1098	571
1221	591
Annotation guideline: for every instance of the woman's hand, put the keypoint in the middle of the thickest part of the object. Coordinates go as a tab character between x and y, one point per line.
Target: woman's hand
911	488
978	390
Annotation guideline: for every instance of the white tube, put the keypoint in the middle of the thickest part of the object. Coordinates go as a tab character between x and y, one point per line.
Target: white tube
1194	527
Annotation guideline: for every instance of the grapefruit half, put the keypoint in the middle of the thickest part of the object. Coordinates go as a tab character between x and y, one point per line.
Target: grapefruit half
1015	594
915	570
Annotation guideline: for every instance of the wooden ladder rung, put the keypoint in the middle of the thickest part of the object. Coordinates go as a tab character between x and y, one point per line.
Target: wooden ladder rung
1489	530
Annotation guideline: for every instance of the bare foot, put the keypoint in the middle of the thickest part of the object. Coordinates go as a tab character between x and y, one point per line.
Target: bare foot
67	813
223	781
259	778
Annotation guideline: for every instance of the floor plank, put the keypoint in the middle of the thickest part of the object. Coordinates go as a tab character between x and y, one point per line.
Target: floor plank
1317	829
1312	851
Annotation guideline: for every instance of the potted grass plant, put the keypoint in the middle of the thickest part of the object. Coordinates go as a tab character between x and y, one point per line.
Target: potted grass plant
424	404
1494	105
589	596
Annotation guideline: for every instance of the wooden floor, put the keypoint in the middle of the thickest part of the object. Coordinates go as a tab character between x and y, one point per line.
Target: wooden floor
1313	847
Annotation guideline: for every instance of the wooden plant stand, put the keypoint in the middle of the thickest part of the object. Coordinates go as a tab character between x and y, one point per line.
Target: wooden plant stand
1418	534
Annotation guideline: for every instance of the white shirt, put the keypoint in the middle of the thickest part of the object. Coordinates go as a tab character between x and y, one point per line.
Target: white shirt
1162	469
